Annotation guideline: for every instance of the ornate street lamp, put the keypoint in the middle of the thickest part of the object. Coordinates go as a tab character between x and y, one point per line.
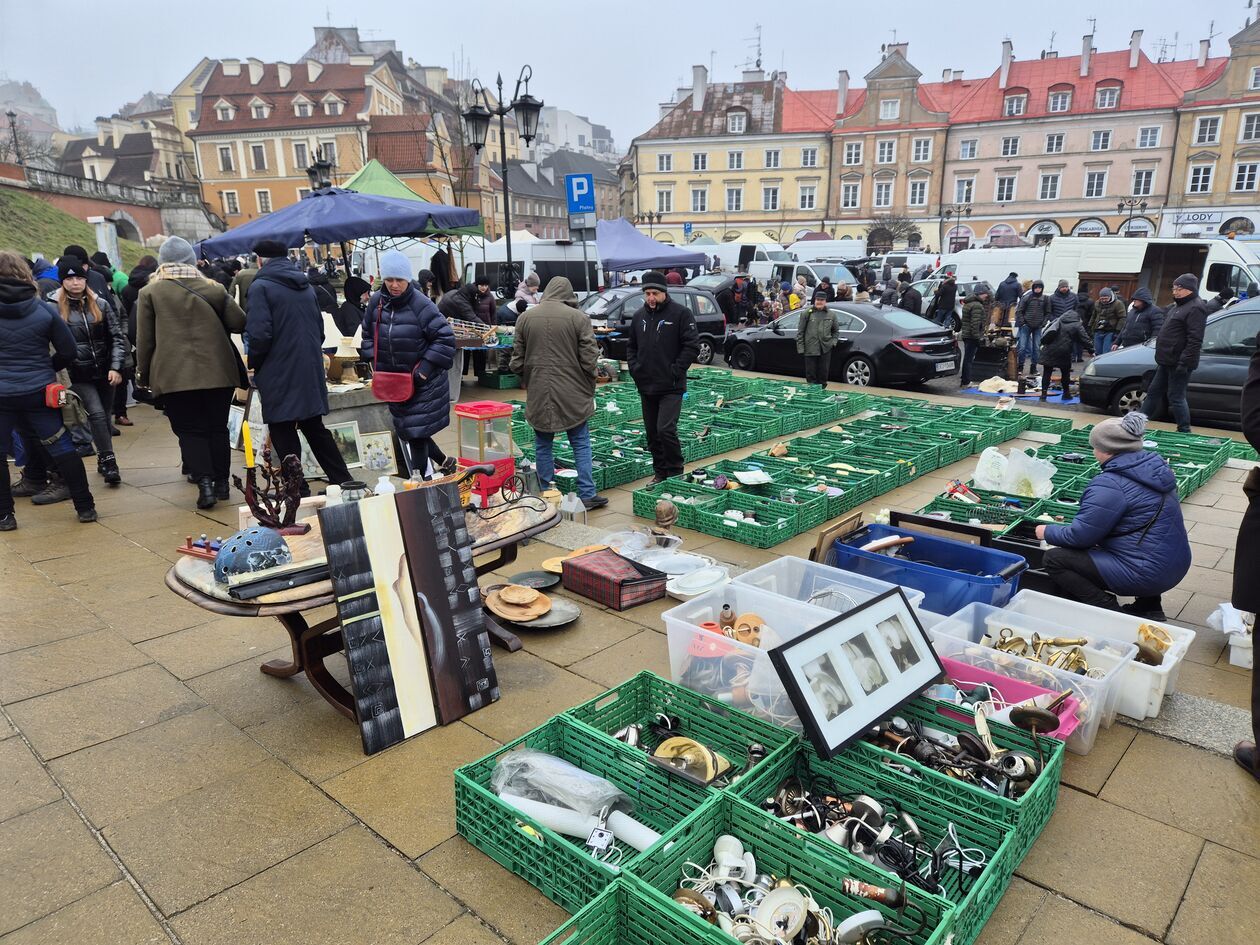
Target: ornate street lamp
319	173
17	152
651	218
1132	205
956	211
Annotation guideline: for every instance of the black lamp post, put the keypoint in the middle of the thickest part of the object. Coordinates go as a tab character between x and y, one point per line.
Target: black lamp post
955	211
526	110
1133	205
651	218
17	152
319	173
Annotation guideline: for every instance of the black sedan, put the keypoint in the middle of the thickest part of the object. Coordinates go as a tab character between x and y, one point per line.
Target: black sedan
876	346
616	308
1114	382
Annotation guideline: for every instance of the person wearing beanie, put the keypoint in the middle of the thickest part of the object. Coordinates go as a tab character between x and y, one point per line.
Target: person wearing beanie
1128	538
1059	344
910	298
975	321
528	290
1063	299
350	315
1177	348
1031	315
471	303
816	336
662	345
187	359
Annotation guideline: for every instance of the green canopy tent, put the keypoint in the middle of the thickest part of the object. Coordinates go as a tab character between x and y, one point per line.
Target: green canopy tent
375	178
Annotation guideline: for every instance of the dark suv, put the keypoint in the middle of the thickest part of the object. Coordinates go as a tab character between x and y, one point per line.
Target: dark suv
615	308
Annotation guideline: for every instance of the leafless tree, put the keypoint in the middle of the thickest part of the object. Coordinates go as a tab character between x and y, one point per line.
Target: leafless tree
899	226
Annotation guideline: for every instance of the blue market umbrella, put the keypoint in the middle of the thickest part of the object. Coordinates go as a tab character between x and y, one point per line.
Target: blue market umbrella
334	215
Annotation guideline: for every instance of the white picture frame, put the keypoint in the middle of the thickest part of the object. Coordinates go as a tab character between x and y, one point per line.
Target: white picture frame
377	452
346	436
236	418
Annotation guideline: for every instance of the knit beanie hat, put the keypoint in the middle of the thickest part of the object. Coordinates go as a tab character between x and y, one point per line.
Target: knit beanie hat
395	265
820	294
1105	293
68	266
1187	280
983	288
101	259
1063	284
74	249
655	279
1119	434
176	249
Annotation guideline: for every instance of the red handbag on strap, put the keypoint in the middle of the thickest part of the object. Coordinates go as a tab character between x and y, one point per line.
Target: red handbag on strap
392	387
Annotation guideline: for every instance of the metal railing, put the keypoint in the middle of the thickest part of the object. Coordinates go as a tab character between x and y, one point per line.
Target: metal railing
55	182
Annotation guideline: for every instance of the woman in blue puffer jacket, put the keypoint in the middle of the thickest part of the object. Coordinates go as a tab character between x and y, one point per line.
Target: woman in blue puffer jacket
1128	538
404	332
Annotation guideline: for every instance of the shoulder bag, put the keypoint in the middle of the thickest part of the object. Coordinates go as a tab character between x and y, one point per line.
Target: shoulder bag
392	387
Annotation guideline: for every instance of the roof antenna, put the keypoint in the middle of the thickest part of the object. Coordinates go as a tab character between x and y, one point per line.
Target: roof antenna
894	35
1093	24
1050	48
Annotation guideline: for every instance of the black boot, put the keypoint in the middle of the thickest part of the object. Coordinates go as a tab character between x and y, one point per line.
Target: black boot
222	490
74	480
107	466
205	493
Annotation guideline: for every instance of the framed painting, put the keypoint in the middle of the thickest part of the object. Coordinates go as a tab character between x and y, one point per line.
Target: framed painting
346	436
378	453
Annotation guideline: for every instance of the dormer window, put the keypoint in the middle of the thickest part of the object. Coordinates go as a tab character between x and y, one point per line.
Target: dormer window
1015	104
302	107
224	111
258	111
1060	100
736	123
333	105
1107	97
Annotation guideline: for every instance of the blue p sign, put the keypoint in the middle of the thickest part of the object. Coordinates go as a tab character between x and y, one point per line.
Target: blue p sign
580	189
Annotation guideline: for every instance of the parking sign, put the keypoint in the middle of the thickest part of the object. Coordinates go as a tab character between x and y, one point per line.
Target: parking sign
686	229
580	189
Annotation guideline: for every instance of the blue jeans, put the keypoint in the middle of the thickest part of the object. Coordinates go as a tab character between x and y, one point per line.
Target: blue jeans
580	441
1103	341
1168	385
1029	345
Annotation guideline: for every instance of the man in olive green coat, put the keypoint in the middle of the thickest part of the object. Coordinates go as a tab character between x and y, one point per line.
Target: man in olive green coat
555	355
975	321
815	337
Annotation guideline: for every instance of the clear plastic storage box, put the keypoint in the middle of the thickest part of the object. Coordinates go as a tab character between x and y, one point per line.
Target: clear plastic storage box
821	584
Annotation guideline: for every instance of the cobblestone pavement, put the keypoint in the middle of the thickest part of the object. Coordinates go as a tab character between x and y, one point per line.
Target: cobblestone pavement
155	787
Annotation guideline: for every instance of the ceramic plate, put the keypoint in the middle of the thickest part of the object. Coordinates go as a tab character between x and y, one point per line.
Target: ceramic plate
539	580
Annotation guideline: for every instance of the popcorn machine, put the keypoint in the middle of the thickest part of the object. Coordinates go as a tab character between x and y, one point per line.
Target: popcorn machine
485	438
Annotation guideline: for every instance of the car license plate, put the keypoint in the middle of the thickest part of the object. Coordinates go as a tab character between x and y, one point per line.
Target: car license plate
944	366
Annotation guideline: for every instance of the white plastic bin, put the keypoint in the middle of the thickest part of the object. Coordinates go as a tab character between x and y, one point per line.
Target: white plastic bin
736	673
928	619
1241	650
959	636
1143	688
821	584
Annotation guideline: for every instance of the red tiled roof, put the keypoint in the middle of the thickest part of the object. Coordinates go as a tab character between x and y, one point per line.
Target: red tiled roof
399	142
808	111
345	81
1187	75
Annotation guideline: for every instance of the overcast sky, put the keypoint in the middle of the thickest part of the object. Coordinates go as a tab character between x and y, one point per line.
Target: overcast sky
613	62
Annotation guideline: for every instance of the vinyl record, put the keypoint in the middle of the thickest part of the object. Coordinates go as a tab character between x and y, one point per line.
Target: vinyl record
539	580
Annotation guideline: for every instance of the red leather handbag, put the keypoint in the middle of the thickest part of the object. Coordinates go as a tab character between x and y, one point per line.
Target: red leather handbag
392	387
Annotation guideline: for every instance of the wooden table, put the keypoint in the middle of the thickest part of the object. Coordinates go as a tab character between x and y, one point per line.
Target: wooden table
193	579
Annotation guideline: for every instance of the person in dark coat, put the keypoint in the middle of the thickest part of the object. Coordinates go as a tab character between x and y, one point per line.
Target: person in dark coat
510	311
1128	538
911	299
30	329
414	338
1007	295
1031	315
98	280
1142	322
1057	351
471	303
285	331
1246	589
1177	352
1063	299
975	322
1108	315
944	301
425	282
350	315
325	297
662	345
830	292
136	280
45	277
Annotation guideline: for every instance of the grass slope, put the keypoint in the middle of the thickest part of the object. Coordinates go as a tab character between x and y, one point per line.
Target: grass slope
30	225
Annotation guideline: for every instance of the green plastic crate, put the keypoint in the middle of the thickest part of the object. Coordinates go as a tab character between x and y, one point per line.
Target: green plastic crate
964	512
627	913
782	851
811	504
1043	424
776	521
1062	512
1240	449
643	501
496	381
716	440
559	866
975	898
858	487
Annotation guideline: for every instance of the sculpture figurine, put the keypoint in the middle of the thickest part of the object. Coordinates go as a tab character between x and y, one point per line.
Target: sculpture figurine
274	503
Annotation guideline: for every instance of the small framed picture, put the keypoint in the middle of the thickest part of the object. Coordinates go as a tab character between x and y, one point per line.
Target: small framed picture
236	416
847	674
346	436
377	452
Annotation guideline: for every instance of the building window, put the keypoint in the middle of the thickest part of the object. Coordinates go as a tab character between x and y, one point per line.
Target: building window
1005	190
1096	184
1100	141
1148	137
809	196
1251	127
332	108
967	148
736	122
259	111
964	189
918	193
699	199
328	150
258	156
1108	97
1143	183
809	157
224	113
1010	147
922	150
700	161
885	152
302	109
772	158
664	162
1245	176
301	157
264	200
1060	101
889	108
734	199
664	201
1207	130
1054	143
769	198
1048	188
1254	83
1200	179
852	153
848	196
231	205
303	191
1014	105
225	158
883	193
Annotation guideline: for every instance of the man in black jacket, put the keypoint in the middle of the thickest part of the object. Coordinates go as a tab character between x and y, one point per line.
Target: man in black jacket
945	300
911	299
663	343
1007	294
1177	352
1246	595
472	303
1143	321
1031	315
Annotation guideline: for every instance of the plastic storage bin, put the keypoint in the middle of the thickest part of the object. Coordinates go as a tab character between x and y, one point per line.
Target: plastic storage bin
1011	691
959	638
820	584
1143	688
951	574
628	913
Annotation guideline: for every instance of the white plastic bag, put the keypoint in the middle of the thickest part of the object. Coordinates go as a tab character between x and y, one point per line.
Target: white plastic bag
990	470
1028	476
542	777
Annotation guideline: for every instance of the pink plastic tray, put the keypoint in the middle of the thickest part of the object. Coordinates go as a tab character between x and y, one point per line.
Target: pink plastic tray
1011	690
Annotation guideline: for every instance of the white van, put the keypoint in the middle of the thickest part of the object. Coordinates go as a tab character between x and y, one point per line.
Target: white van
757	259
994	265
548	258
831	250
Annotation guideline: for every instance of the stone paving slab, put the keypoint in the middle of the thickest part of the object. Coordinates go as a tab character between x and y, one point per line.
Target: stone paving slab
114	915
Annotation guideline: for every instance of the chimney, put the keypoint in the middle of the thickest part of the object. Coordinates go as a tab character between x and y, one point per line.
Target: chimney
1135	48
231	67
842	92
666	108
313	70
958	74
255	70
699	85
117	130
947	74
753	75
285	73
1050	54
102	131
1087	48
1204	46
903	48
362	59
1007	55
681	92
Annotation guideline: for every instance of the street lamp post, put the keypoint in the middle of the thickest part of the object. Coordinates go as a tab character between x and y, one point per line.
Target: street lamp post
526	110
17	151
651	218
1132	205
953	211
319	173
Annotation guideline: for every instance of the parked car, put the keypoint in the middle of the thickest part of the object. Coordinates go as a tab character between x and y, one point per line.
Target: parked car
1115	382
876	346
615	308
927	286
